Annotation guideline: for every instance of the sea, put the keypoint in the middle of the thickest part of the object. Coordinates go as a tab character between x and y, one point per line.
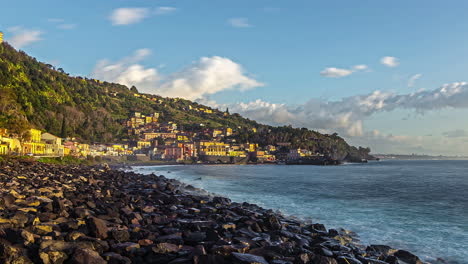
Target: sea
420	206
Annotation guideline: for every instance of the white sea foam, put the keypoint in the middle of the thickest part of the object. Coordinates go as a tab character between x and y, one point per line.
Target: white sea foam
410	205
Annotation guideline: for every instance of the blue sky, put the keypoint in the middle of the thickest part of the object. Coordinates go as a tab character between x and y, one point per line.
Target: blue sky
277	56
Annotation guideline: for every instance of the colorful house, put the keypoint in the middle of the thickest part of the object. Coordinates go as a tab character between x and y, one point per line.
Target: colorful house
143	144
182	138
217	132
53	145
174	153
4	149
212	148
250	147
34	146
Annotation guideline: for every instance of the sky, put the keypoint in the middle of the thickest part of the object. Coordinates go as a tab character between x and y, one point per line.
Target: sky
389	75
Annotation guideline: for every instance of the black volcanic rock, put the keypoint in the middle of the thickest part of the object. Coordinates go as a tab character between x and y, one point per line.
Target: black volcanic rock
77	214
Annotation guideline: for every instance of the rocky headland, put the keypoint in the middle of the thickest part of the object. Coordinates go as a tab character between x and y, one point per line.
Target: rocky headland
82	214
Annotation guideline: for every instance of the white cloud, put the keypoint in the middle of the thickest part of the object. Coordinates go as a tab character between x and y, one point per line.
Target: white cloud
207	76
239	22
61	23
127	71
347	117
22	37
458	133
127	16
163	10
403	144
413	79
360	67
390	61
333	72
348	114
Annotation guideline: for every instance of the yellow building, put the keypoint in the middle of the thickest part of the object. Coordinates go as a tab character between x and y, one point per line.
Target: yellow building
13	144
237	154
4	149
143	144
228	131
270	148
34	146
217	132
1	37
4	146
182	138
212	148
118	147
250	147
66	151
83	149
35	135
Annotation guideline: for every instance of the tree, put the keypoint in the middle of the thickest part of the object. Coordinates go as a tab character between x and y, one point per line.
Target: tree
63	131
134	89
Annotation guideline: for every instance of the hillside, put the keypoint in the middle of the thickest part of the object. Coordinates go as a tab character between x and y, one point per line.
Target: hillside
34	94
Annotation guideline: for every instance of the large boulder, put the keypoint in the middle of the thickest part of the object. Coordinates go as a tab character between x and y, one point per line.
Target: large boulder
97	227
407	257
249	258
86	256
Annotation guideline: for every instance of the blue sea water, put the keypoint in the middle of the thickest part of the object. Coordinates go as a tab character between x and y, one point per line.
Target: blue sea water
421	206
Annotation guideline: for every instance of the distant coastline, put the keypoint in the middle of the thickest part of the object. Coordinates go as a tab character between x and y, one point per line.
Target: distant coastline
417	157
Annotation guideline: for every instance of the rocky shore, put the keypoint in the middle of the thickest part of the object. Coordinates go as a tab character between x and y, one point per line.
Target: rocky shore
79	214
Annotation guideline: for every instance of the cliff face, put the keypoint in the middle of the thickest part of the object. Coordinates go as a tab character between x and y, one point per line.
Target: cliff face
34	94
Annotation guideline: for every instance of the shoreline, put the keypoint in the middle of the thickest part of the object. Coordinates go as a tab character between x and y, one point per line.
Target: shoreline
117	165
79	213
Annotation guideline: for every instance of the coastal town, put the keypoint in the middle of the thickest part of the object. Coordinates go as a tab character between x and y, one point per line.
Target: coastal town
153	140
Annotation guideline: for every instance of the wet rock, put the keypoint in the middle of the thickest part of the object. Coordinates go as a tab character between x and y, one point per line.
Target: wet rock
53	257
97	227
249	259
163	248
407	257
78	214
125	247
272	222
379	249
86	256
221	200
28	237
121	235
347	260
195	237
114	258
318	227
327	260
145	242
12	254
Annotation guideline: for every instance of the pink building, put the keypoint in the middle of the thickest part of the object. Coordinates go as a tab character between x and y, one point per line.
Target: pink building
174	153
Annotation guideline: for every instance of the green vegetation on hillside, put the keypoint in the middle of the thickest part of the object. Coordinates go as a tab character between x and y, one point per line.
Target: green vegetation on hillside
35	94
